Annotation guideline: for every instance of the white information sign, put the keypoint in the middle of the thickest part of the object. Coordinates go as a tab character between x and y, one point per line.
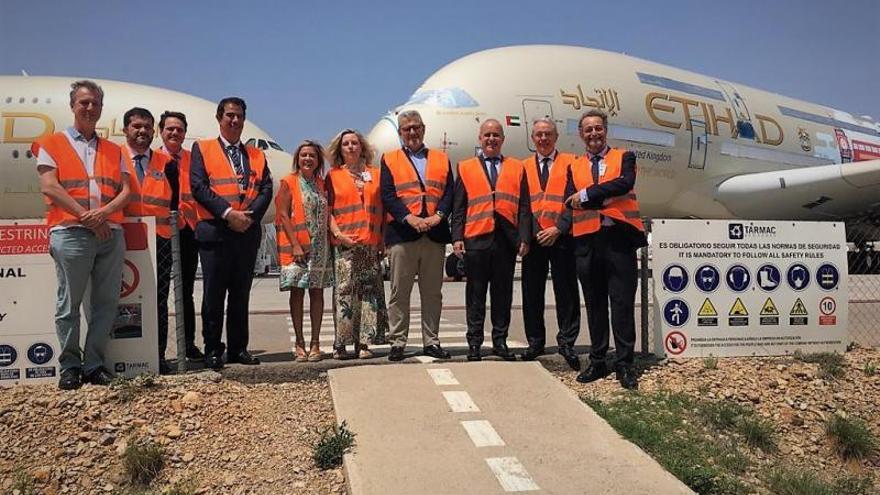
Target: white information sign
28	342
749	288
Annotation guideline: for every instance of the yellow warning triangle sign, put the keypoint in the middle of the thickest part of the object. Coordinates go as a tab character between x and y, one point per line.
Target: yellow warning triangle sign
738	308
769	308
707	309
798	309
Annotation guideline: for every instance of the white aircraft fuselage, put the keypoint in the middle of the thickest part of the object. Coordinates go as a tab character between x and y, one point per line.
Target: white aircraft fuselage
705	148
33	106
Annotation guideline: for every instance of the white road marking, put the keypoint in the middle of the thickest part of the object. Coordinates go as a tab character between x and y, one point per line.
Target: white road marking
442	376
482	433
425	359
460	402
511	474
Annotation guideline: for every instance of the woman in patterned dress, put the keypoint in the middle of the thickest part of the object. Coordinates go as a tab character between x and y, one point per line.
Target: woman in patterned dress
302	219
356	220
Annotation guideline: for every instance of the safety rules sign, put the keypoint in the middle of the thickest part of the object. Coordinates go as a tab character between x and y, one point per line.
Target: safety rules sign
749	288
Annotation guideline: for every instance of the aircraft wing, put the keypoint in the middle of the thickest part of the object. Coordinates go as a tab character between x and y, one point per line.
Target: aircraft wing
824	192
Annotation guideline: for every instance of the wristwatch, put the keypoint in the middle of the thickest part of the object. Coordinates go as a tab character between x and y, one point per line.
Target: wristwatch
440	214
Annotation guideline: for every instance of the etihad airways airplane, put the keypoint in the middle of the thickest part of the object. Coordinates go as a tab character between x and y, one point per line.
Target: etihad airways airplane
706	148
32	106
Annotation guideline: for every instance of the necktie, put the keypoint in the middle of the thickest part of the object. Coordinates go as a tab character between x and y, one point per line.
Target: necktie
235	158
545	172
595	169
139	167
493	170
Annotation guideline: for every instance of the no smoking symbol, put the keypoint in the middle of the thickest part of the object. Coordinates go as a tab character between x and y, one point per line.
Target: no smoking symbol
131	277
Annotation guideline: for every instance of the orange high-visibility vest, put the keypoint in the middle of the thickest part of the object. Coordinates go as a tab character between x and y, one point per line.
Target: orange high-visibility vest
360	220
224	180
409	187
547	206
186	205
154	193
623	208
482	202
72	176
297	219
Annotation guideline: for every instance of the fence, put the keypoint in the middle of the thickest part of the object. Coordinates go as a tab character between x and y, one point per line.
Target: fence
864	286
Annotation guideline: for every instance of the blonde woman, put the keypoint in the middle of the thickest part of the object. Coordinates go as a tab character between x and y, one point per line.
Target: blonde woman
302	220
356	227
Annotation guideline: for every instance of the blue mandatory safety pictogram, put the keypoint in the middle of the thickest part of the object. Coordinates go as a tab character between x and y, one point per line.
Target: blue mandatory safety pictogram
707	278
798	276
676	312
769	277
40	353
675	278
738	278
8	355
827	276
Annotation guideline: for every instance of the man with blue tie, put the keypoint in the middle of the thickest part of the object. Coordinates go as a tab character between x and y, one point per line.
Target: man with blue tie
491	225
607	230
232	186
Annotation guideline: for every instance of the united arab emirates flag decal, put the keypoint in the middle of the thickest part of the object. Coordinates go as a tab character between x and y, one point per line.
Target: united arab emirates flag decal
513	120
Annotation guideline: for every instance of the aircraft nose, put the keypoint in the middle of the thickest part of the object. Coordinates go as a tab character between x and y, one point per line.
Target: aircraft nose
384	136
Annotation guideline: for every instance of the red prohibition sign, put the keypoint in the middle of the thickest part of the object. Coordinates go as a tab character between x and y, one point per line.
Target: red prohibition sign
675	343
130	279
827	306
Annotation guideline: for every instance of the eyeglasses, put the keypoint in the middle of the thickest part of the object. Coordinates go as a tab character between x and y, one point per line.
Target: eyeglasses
412	128
595	128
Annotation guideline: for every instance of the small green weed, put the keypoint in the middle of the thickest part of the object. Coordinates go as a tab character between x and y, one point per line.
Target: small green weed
23	481
710	363
333	444
142	461
757	432
786	481
870	368
831	364
128	388
723	414
851	437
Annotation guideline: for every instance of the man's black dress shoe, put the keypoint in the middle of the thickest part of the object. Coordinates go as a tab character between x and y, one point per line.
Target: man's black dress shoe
531	353
435	351
502	352
626	375
595	371
243	357
396	353
570	357
99	377
70	379
474	353
214	360
194	354
164	367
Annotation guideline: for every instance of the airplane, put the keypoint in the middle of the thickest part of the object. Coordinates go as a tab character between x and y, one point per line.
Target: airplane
33	106
705	148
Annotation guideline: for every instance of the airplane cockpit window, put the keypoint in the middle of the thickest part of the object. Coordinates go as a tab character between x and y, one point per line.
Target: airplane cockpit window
274	146
444	97
263	144
250	142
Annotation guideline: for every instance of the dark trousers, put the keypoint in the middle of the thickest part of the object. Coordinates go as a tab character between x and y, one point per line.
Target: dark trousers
189	261
227	271
489	270
560	262
607	271
163	284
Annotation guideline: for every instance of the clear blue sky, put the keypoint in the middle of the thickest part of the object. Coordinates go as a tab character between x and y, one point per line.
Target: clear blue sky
308	69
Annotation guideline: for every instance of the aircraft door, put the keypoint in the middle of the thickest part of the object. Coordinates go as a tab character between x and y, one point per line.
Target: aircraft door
534	109
699	144
744	126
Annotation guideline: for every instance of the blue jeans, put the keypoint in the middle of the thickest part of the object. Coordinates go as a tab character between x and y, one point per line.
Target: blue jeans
81	258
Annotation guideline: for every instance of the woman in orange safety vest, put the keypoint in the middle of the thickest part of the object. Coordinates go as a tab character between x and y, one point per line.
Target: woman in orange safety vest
302	223
360	312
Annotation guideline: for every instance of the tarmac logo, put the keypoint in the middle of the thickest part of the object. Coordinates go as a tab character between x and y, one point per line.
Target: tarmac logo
735	231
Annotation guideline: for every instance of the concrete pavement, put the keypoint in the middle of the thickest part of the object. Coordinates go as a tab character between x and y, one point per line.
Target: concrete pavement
483	428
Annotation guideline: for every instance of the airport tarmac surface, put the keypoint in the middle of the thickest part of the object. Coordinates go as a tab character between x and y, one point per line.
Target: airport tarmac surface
489	427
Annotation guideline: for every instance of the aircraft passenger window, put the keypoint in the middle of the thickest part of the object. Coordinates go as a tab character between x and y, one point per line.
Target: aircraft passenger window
274	145
14	153
444	97
745	129
35	100
21	100
8	99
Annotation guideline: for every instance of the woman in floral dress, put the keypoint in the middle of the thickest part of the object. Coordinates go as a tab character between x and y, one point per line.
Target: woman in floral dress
302	220
356	225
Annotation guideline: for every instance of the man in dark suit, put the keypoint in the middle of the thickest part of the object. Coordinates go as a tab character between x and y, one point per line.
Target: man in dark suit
417	192
232	185
607	230
491	224
551	248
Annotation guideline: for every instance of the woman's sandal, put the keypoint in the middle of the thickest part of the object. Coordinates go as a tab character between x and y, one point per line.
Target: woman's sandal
299	351
314	354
